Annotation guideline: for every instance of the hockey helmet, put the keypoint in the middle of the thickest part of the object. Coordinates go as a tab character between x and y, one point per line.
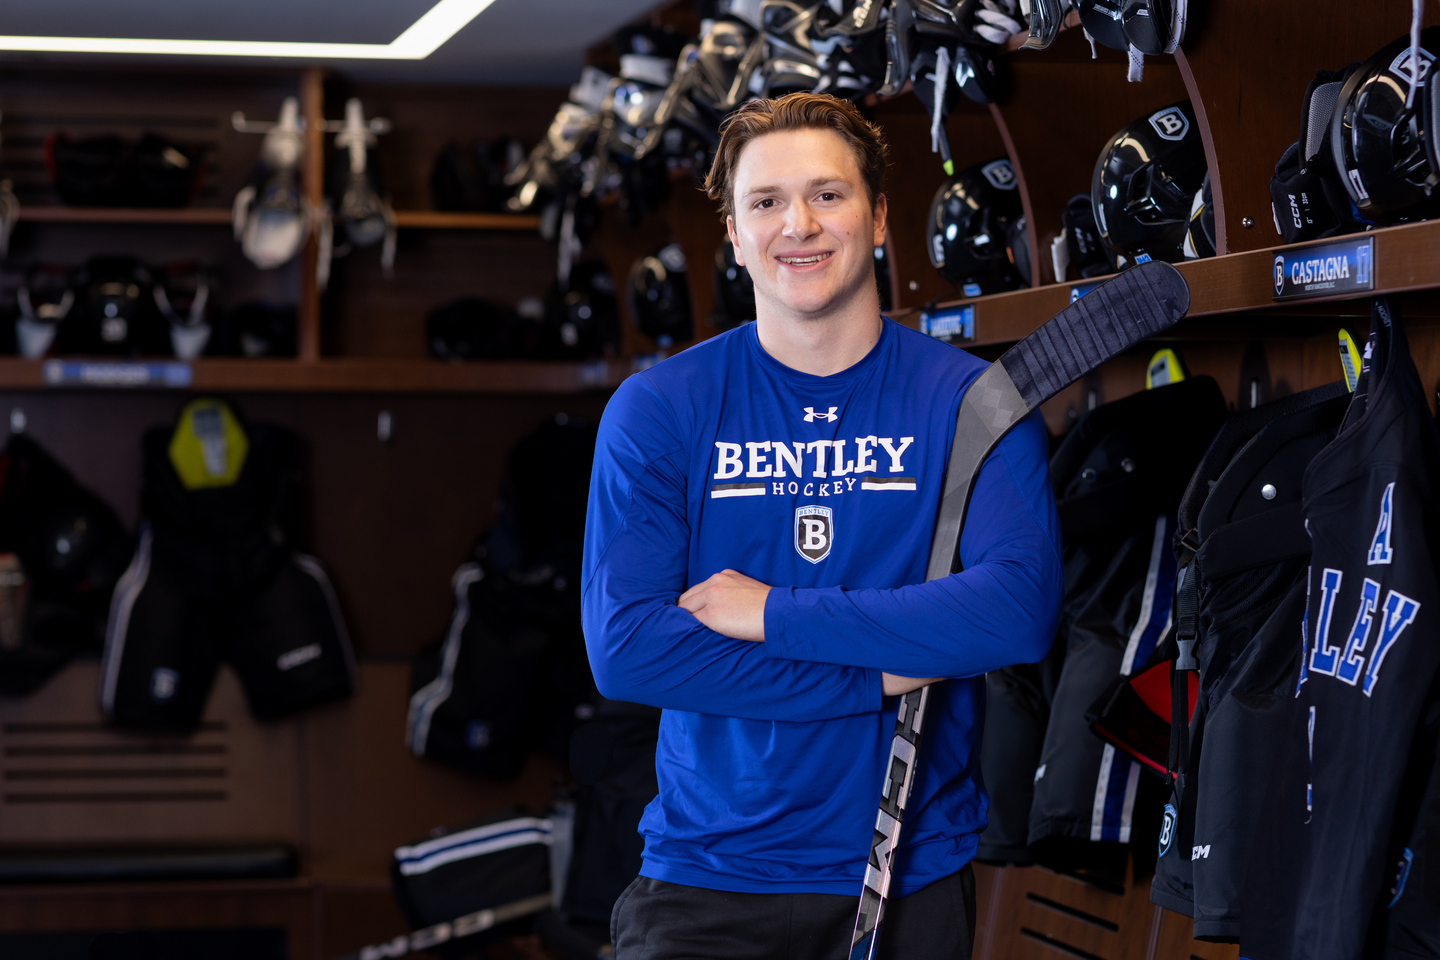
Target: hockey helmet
1379	142
970	228
258	329
114	312
734	289
467	329
109	171
472	176
1144	183
182	295
580	316
659	296
44	300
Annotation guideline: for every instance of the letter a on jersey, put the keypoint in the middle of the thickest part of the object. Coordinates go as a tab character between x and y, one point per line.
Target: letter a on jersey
814	532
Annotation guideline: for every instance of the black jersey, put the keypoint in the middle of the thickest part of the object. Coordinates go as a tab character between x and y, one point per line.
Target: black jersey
1119	475
1372	649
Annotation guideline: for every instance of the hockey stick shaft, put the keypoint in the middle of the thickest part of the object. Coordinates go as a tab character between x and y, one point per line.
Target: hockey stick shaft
1138	304
466	926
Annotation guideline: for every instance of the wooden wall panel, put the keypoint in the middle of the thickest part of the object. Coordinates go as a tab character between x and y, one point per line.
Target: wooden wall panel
70	779
1030	913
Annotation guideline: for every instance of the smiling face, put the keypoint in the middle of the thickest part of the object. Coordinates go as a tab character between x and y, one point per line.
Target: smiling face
804	226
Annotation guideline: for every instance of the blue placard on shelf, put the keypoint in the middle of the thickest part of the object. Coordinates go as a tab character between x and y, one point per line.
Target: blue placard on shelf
1080	289
950	323
117	373
1325	269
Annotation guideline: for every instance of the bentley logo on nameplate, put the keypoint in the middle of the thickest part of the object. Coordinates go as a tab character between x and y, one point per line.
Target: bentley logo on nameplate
1325	269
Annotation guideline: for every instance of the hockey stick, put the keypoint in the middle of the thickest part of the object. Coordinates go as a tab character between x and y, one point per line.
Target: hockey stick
1117	315
472	923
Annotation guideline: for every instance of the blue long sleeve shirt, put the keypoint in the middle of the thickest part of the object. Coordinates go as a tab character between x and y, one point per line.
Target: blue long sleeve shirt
771	754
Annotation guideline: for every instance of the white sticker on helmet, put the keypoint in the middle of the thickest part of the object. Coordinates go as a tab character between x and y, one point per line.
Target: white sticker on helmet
1170	123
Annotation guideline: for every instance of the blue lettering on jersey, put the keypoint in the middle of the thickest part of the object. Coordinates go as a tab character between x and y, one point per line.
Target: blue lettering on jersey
1323	657
1399	613
1402	873
1353	662
1380	549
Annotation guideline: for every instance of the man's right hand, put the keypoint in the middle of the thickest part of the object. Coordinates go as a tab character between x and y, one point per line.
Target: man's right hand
894	686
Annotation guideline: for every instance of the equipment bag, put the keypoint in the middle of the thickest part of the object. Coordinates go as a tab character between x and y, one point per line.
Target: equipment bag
499	860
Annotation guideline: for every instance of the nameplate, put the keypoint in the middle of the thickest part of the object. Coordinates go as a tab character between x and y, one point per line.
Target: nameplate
1325	269
954	324
116	373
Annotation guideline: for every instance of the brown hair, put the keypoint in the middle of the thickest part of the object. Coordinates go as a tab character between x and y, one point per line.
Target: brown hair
796	111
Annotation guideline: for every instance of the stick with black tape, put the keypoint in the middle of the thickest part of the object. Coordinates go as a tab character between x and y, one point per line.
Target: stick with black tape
467	926
1138	304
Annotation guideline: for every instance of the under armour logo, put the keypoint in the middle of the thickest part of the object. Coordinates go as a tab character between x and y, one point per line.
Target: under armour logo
829	417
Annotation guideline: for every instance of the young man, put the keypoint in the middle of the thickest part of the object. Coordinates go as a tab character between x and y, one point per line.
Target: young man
760	518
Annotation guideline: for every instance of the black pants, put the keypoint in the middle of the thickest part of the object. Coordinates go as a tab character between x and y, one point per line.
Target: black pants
655	920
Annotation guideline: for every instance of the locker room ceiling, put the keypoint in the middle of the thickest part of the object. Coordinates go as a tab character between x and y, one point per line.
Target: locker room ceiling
510	42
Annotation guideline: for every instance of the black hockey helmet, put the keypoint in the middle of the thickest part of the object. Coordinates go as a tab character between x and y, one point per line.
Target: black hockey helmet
580	317
114	312
1379	143
109	171
970	226
659	296
734	289
183	295
259	329
1144	183
43	301
467	329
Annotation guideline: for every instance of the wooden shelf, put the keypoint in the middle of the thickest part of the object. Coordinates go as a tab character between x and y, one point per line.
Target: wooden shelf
1405	259
442	220
338	375
220	216
182	216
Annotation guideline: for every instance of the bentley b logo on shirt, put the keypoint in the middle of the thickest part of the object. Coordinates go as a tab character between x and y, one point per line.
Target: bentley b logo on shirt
814	532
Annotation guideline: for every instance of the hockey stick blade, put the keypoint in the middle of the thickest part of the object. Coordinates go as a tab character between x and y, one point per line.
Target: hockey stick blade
1120	313
467	926
1138	304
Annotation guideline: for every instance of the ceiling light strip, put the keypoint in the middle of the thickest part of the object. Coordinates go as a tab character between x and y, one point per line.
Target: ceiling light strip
420	39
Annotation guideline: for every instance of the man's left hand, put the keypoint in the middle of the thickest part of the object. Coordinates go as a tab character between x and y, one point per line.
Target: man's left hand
729	603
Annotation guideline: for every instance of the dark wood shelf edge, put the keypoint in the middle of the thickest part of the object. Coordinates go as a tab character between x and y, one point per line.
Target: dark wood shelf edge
347	375
1407	258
